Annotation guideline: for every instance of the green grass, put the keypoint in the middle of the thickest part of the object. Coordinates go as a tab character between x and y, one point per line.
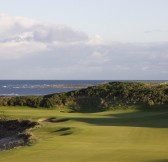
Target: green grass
112	136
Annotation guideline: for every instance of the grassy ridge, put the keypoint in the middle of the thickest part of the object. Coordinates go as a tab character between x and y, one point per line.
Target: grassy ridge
97	98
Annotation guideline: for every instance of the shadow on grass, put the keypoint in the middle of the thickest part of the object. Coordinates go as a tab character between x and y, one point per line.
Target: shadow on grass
162	160
153	119
57	120
64	131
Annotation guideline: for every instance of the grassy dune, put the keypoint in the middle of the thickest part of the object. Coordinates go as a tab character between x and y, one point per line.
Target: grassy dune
126	136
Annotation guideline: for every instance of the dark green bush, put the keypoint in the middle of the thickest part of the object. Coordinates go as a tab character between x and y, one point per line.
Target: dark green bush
97	98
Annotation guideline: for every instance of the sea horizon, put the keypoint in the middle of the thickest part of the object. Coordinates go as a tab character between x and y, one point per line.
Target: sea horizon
45	87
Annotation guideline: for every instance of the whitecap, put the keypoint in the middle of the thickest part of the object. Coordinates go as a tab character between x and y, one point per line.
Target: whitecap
10	94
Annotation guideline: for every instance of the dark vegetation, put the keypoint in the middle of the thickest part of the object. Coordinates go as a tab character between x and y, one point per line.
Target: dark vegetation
15	127
15	133
98	98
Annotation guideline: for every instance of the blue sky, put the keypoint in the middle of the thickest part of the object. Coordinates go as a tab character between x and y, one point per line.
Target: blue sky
115	20
83	39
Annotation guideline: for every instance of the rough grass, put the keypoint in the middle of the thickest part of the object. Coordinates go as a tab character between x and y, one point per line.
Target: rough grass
119	136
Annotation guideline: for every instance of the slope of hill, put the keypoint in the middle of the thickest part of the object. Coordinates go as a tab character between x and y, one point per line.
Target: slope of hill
98	98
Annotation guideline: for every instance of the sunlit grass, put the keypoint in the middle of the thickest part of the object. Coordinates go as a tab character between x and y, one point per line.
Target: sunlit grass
124	135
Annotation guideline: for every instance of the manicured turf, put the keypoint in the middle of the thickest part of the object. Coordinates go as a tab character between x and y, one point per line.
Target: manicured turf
126	136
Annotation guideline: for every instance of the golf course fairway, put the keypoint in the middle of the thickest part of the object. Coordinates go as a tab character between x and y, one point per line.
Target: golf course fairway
111	136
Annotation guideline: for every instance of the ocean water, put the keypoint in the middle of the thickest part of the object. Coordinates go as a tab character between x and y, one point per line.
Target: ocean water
42	87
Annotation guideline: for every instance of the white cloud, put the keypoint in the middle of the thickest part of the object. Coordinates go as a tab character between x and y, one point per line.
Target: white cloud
30	49
18	50
13	28
153	31
97	39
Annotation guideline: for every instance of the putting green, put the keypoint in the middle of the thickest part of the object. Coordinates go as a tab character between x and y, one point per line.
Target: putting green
113	136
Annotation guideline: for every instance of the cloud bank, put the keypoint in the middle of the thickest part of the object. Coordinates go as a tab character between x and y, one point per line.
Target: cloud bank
30	49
